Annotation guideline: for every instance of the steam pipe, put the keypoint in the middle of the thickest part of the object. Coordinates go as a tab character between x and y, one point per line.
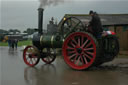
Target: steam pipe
40	20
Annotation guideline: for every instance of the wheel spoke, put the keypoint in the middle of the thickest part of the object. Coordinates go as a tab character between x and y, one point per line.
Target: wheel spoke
32	55
31	61
35	59
27	58
74	41
85	55
70	52
48	59
81	59
77	62
90	53
82	40
27	53
72	56
75	59
76	25
86	49
78	41
70	21
72	44
88	45
84	43
70	48
30	49
85	60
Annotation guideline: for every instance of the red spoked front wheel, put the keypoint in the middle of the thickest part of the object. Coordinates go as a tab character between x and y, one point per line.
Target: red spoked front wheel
31	55
79	50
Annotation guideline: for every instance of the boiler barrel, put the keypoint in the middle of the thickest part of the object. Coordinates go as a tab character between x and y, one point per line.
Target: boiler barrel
47	41
50	41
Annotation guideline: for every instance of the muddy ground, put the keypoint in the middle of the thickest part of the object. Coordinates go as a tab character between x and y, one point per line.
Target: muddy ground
15	72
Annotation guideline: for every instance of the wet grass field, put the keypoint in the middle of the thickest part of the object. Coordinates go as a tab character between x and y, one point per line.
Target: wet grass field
20	43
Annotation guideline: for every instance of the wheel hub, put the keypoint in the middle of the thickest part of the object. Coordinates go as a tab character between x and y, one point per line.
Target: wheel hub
79	50
30	55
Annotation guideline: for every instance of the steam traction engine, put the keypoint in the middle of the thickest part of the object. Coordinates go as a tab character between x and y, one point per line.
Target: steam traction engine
81	50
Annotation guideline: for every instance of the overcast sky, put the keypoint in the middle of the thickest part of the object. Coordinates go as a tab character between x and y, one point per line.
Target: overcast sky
22	14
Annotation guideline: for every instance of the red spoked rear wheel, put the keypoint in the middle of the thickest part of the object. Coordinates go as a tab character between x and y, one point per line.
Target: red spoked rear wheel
31	56
79	50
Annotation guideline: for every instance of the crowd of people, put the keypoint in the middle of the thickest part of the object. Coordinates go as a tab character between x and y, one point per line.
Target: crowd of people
12	43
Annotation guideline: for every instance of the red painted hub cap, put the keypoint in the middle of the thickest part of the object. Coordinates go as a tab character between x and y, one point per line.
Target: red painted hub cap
79	50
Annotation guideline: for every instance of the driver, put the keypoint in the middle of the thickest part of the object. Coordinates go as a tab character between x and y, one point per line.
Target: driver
95	24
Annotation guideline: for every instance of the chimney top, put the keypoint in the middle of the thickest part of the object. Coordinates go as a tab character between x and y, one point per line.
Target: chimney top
41	9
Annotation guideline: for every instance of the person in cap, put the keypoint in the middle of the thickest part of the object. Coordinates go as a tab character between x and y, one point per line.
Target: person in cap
95	24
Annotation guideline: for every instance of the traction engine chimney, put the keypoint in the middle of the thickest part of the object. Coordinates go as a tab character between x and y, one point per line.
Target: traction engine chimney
40	20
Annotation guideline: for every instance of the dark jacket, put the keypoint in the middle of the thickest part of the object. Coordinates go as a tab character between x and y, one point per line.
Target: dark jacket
95	24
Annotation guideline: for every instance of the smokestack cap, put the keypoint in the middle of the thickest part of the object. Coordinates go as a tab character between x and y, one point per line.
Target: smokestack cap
40	9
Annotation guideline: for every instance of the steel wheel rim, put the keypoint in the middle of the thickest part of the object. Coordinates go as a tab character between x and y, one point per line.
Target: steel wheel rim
82	54
50	58
29	58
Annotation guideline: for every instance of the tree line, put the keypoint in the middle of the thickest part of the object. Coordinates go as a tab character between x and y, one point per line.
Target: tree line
29	31
3	32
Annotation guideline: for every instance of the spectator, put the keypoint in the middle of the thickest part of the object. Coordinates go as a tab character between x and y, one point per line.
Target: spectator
15	43
12	43
9	43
